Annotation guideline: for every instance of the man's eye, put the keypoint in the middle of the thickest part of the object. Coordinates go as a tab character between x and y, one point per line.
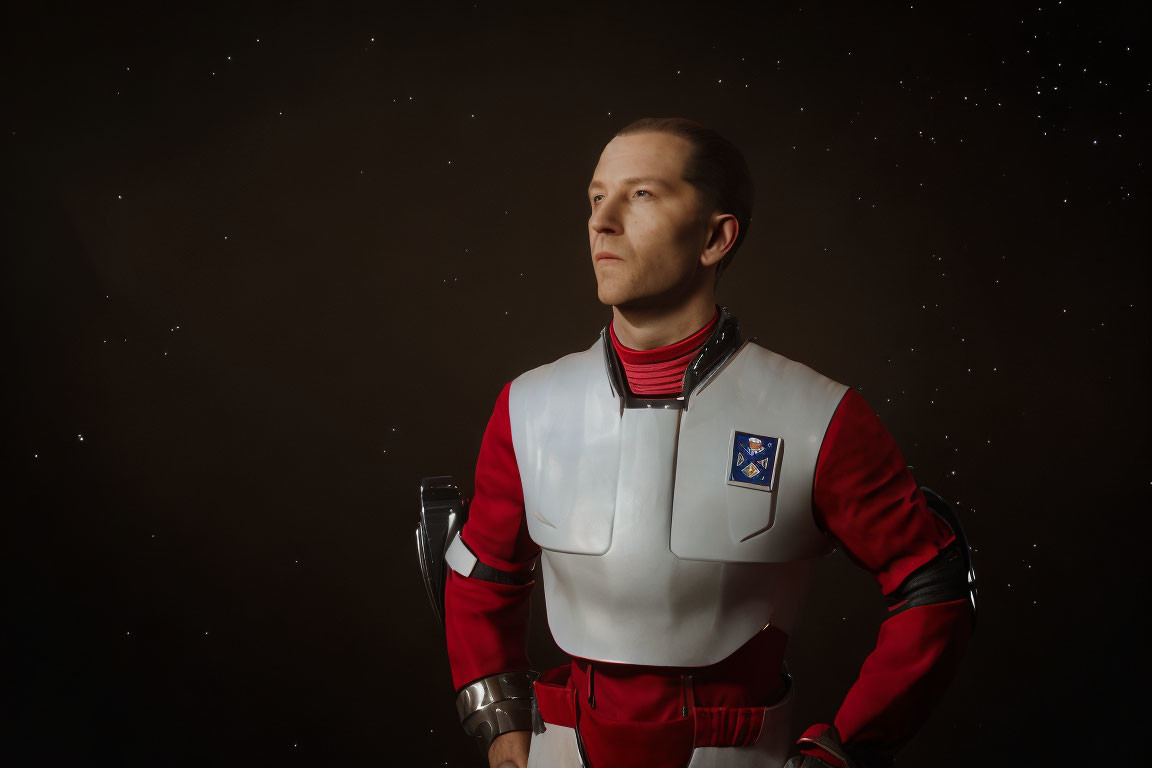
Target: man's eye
646	192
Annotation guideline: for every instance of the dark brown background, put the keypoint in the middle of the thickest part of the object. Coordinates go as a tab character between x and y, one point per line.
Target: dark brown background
273	291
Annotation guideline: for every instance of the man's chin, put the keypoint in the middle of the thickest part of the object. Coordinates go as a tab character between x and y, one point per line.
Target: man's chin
624	302
621	299
637	301
610	295
625	295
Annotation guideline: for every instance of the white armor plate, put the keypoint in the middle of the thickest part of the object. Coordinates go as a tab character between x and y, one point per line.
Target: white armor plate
650	556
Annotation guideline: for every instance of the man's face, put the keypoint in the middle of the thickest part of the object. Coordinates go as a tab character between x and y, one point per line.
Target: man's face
648	217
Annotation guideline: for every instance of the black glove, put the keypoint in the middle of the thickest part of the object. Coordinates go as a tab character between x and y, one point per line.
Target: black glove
827	738
807	761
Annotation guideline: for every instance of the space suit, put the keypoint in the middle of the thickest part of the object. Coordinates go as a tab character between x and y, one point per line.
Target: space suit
676	535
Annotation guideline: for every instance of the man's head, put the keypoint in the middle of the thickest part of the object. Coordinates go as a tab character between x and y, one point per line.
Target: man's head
672	200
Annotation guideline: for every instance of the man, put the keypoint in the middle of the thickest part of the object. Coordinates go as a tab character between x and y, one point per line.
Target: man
678	483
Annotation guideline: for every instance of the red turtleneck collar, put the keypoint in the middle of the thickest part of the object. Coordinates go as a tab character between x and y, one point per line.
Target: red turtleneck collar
660	372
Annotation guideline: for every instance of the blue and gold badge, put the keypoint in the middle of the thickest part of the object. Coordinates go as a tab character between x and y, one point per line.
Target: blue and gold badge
755	461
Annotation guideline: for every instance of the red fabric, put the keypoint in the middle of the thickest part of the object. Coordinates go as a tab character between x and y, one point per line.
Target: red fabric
727	726
486	624
556	696
625	743
631	743
863	494
660	371
916	655
750	677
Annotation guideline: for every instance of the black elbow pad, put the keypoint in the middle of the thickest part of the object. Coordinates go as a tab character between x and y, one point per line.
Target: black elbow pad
947	577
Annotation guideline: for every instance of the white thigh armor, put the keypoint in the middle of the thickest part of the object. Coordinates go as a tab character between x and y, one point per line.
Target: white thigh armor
556	747
674	530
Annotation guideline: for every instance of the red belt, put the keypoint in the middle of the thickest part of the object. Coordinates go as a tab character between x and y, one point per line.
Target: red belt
627	743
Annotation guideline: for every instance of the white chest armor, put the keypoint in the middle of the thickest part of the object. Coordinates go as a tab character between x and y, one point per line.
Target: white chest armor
650	555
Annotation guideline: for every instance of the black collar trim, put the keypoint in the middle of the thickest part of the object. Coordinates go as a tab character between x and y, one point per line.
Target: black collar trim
721	345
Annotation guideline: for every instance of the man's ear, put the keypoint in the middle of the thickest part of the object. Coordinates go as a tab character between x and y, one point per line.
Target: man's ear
722	230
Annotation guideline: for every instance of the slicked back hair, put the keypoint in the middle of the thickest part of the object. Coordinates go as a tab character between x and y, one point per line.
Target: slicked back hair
715	166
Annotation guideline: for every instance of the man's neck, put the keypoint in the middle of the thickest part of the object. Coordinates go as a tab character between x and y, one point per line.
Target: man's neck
650	328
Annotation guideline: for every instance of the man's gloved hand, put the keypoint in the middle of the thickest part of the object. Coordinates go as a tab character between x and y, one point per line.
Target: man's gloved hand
821	748
807	761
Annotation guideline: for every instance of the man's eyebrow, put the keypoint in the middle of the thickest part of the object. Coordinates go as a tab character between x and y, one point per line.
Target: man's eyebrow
633	180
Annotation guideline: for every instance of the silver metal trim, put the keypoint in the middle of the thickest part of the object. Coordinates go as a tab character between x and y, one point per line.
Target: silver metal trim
442	515
494	688
721	365
497	704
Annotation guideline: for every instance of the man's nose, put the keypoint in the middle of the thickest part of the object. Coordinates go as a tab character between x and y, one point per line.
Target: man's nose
605	216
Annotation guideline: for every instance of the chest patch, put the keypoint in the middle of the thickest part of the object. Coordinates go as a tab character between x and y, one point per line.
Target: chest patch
754	461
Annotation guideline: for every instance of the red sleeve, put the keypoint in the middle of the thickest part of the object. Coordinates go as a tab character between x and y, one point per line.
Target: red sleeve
865	495
486	623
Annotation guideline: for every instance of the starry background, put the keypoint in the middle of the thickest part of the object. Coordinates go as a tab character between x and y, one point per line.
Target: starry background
267	265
